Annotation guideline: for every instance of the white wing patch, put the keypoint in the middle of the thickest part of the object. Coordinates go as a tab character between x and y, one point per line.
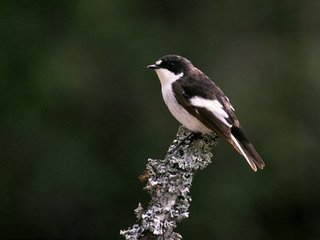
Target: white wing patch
232	108
213	106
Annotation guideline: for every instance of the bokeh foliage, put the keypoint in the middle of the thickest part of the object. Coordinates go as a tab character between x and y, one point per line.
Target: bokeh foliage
80	114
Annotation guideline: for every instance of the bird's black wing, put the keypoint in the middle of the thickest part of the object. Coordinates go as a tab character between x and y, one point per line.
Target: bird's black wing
200	97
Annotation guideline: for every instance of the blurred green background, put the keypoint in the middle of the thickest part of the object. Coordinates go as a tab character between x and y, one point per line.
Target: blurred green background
80	115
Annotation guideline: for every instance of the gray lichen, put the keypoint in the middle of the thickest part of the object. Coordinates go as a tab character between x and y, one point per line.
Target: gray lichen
169	182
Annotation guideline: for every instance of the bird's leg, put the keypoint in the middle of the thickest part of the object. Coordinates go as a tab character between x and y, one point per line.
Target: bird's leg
189	137
192	136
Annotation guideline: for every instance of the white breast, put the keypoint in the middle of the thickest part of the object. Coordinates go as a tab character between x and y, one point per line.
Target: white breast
167	78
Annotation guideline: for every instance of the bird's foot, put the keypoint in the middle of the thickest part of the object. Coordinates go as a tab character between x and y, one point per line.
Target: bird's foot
190	137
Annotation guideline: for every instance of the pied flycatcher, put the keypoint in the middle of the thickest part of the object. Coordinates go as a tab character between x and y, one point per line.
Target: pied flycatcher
200	105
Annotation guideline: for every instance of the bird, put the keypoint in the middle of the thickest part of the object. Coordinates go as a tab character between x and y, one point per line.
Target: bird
201	106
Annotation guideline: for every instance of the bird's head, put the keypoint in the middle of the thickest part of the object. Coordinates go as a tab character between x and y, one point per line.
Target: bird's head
170	68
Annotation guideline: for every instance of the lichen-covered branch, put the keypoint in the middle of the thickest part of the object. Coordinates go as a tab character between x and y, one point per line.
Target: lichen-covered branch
169	182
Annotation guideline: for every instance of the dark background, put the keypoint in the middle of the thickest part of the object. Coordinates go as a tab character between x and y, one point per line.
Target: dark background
81	114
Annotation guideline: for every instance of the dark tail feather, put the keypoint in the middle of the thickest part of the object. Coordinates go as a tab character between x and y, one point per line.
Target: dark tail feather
246	148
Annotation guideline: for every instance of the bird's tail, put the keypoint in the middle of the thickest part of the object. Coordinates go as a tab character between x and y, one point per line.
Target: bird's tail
243	146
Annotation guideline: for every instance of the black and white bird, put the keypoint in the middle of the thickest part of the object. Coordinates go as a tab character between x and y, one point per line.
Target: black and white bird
200	105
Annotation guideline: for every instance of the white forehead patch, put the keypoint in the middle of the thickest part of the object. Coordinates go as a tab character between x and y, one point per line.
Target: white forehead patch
158	62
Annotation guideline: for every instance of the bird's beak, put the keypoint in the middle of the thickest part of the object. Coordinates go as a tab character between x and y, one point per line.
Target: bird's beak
153	66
